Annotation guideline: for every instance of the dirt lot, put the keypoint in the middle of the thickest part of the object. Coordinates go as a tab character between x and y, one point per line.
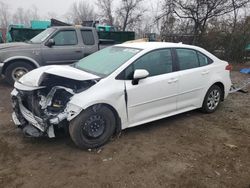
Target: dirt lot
187	150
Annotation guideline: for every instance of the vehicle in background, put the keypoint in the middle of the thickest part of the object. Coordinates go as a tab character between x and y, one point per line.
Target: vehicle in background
107	34
55	45
107	28
16	59
20	33
116	37
112	34
119	87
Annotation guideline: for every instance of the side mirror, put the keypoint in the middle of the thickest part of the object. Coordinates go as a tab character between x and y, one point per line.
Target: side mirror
138	75
50	43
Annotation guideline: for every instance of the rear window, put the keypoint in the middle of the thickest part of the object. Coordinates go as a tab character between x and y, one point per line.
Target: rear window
204	60
187	59
88	37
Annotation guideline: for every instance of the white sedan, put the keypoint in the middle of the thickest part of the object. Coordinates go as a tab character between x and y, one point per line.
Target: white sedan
119	87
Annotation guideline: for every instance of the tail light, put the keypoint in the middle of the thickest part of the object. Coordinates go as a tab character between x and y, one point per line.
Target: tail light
229	67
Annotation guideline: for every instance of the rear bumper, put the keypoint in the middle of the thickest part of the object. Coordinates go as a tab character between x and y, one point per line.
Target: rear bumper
227	86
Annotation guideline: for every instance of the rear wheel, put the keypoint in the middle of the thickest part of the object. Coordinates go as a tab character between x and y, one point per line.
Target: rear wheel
93	127
212	99
16	70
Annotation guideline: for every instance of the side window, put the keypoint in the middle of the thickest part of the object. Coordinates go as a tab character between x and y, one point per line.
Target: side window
203	59
156	63
64	38
88	37
187	59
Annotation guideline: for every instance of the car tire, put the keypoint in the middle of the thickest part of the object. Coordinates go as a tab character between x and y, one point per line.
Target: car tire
212	99
93	127
16	70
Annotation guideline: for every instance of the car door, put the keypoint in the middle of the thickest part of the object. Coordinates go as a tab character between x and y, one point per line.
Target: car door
89	41
193	78
154	96
66	49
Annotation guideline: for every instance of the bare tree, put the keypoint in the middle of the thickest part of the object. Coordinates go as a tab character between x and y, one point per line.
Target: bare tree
168	20
130	13
4	15
51	15
24	16
21	16
106	8
154	13
33	13
201	11
81	11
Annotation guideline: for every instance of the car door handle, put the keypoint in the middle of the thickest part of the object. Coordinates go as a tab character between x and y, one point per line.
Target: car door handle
173	80
78	51
205	72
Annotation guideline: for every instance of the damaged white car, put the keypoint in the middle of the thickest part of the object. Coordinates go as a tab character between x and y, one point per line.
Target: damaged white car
118	87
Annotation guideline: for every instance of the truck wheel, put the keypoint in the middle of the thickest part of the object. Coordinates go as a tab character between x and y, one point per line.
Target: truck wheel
16	70
212	99
93	127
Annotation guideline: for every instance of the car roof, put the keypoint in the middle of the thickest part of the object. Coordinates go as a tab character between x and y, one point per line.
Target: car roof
155	45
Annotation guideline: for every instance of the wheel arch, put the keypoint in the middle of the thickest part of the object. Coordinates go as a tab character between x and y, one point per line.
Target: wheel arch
219	84
222	87
12	60
116	114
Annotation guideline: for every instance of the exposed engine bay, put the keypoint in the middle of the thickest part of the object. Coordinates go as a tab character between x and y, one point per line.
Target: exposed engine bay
39	111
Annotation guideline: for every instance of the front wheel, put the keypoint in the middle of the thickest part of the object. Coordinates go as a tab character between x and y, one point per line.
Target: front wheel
212	99
16	70
93	127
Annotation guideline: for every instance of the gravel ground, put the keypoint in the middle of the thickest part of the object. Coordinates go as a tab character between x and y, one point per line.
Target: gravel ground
187	150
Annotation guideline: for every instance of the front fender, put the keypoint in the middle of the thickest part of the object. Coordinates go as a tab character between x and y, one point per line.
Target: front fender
34	62
75	108
113	95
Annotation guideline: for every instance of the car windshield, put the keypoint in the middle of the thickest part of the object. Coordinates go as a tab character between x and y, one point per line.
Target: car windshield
41	37
107	60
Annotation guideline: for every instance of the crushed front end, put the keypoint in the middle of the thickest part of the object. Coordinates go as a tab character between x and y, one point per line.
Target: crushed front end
40	110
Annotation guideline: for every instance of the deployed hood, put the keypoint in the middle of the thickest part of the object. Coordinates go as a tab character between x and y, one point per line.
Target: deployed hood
36	77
